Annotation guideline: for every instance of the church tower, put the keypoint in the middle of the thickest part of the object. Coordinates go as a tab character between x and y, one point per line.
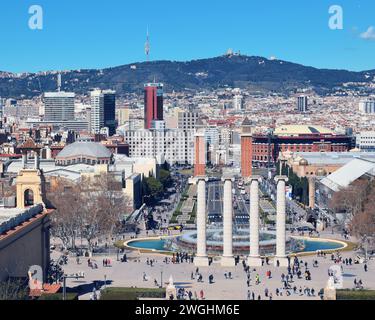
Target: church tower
30	181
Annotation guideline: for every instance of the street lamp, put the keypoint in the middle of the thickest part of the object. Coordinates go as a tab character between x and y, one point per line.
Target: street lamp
365	240
161	279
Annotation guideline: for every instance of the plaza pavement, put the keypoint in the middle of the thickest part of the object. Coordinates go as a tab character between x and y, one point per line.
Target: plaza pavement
130	274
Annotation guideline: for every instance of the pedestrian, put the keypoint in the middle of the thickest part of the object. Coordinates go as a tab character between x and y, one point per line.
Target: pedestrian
248	295
202	295
365	267
266	292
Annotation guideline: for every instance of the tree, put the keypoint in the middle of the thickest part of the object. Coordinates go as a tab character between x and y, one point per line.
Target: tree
363	221
14	289
152	189
350	201
54	273
65	198
165	178
90	209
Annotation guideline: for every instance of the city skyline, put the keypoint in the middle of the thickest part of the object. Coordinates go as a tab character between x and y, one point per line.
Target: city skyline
75	36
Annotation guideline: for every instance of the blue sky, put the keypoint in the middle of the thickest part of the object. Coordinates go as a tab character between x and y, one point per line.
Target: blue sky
96	34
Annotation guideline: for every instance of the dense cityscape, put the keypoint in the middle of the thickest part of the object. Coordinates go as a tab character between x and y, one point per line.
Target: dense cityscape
238	192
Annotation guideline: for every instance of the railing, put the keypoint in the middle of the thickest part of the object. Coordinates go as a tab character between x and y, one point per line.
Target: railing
20	218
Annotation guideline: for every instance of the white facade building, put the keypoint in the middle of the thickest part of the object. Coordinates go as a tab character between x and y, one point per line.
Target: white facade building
97	111
365	141
238	103
176	145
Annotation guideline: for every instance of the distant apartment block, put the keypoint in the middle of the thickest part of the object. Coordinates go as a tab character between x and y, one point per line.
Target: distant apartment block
365	141
176	145
367	106
187	120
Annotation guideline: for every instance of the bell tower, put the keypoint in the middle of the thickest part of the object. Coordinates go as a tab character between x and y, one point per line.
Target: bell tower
30	180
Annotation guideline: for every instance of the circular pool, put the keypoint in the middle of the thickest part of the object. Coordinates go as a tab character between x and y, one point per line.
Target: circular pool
187	243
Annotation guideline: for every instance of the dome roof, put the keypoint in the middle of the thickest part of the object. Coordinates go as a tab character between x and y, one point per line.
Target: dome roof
85	148
303	162
321	172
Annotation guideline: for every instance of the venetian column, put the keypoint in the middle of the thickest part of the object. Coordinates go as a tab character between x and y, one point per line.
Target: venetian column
201	259
312	193
254	259
280	222
227	260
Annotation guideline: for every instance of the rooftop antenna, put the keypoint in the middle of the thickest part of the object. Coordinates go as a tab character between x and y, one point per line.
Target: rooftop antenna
147	46
59	82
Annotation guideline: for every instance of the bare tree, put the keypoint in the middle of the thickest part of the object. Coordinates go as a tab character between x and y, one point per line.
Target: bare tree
91	209
350	201
65	198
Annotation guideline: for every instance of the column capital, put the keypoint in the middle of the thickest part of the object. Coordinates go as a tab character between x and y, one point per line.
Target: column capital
249	180
281	178
195	180
227	177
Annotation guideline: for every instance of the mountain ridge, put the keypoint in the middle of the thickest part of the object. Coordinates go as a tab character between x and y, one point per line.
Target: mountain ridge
254	73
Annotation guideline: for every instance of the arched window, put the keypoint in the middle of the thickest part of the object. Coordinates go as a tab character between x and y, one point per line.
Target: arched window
29	198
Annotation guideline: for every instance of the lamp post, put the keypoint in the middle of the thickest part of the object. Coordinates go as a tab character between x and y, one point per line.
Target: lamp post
161	279
365	240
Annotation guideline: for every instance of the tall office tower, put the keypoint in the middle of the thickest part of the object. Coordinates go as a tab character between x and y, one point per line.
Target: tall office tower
109	97
59	106
153	103
367	106
302	102
246	149
238	102
187	120
97	111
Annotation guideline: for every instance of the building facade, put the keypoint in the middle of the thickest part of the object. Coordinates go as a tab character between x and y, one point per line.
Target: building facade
59	106
109	101
153	103
297	139
177	146
365	141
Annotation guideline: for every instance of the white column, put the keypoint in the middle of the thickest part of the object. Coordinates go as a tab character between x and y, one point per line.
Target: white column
24	159
201	258
254	259
36	160
280	222
227	259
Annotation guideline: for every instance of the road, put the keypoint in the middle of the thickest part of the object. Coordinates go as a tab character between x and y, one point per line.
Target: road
215	204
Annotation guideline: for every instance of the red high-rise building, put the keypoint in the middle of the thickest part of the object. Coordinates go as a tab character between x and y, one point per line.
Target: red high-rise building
246	149
153	103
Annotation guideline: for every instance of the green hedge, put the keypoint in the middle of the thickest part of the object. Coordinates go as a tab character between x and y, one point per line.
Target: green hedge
131	293
355	294
59	296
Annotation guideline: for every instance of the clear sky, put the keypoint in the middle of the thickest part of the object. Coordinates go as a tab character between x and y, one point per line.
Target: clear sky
96	33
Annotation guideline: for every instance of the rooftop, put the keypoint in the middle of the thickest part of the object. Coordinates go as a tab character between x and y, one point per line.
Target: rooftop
347	174
84	148
295	130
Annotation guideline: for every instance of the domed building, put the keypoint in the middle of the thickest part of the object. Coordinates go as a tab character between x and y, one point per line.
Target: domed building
85	152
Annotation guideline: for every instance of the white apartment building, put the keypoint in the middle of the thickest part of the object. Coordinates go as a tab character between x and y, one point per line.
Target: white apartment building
365	141
176	145
97	111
